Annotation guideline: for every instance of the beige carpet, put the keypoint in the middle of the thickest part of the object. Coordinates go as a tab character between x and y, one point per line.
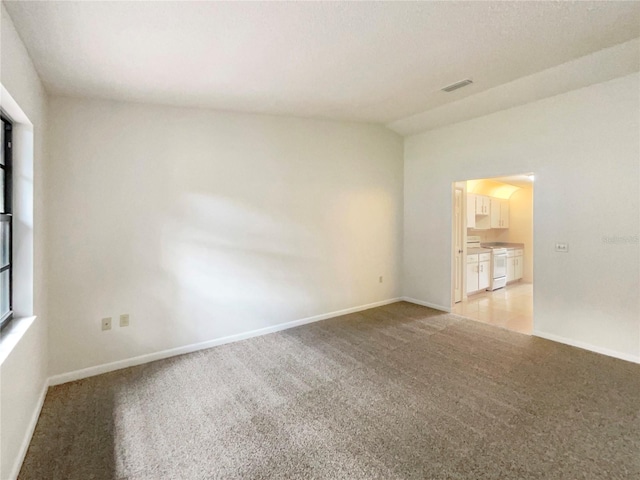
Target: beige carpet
395	392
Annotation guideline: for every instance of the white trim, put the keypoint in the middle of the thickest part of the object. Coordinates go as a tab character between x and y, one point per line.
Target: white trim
11	108
12	335
587	346
26	441
150	357
426	304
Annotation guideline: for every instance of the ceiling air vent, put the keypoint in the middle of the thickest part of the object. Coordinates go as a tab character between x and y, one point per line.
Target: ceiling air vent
457	85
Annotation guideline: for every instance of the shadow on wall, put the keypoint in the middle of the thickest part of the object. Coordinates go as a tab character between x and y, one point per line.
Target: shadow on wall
234	268
209	246
223	266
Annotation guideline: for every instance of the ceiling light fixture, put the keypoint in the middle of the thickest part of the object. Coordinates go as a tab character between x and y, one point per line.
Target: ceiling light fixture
457	85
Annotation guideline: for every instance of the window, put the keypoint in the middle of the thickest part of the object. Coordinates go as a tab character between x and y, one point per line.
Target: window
6	310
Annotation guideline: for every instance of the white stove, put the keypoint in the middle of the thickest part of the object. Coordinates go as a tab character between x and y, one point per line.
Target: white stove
498	267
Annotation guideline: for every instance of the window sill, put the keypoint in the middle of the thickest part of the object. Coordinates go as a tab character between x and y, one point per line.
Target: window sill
12	335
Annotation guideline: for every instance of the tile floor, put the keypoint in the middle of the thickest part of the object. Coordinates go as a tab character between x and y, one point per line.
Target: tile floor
510	307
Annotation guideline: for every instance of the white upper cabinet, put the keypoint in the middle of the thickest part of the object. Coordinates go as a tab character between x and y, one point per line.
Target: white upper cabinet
471	210
483	205
504	213
478	209
499	213
485	212
495	213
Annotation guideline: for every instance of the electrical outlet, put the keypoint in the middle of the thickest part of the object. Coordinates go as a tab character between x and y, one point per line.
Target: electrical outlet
124	320
562	247
106	323
380	279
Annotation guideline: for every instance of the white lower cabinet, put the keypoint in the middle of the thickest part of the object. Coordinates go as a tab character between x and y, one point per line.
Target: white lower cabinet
484	273
478	272
515	265
519	270
472	273
511	269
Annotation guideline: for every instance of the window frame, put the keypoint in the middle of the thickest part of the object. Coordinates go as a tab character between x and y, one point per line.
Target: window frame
6	214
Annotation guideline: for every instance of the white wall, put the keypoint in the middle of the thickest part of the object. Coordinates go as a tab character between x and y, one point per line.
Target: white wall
202	225
23	371
521	227
584	148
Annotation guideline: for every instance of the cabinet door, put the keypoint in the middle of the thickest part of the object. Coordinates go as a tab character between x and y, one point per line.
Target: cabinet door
504	214
479	205
519	267
495	213
471	210
511	269
482	205
472	277
483	275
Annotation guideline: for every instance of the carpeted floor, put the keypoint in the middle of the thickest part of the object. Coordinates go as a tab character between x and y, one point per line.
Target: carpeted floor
395	392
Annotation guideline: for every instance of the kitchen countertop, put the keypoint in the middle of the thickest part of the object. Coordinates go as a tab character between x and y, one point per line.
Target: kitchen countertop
506	245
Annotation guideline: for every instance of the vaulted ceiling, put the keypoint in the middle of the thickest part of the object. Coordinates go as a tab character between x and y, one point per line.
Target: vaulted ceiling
366	61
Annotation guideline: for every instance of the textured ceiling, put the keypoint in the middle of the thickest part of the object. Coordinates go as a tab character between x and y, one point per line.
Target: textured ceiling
375	62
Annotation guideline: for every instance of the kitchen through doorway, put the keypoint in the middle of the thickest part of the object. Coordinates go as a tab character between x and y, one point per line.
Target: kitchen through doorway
493	251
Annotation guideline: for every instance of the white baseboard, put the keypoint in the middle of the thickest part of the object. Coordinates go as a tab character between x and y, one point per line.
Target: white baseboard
426	304
150	357
587	346
24	446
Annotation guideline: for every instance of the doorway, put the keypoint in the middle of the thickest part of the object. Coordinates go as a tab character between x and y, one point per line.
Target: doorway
492	278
